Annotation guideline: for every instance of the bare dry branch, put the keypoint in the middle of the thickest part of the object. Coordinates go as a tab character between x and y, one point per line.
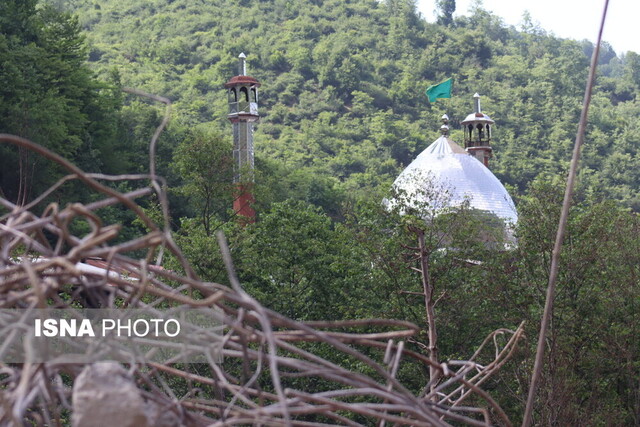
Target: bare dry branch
262	349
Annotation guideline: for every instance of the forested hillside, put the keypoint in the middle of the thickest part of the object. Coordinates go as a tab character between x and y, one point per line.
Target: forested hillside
343	100
343	110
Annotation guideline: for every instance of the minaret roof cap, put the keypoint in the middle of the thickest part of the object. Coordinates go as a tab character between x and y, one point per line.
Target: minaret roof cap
477	117
241	80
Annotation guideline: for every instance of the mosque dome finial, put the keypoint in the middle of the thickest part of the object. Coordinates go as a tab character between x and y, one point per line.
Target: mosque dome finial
444	129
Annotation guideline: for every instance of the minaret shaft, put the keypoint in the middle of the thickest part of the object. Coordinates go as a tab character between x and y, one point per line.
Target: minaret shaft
243	156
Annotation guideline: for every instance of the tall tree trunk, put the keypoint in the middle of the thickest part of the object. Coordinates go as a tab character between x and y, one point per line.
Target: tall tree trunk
429	303
23	166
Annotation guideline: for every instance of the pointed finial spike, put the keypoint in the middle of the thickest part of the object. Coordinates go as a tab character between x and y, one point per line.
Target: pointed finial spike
476	101
243	64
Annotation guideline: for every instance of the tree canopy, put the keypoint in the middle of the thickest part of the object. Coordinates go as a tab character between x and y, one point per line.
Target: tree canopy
343	85
343	110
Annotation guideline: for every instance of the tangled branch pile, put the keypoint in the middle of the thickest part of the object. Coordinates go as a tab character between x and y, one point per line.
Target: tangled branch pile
41	266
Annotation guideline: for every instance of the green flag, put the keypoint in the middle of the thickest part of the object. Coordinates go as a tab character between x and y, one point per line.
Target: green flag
441	90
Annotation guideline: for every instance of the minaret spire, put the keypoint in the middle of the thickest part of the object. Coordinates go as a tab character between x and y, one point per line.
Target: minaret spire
242	91
242	69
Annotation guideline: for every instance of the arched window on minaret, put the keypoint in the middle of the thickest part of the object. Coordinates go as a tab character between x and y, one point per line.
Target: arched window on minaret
244	94
254	95
480	132
233	100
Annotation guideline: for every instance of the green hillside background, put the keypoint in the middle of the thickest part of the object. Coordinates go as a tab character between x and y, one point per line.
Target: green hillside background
343	105
343	110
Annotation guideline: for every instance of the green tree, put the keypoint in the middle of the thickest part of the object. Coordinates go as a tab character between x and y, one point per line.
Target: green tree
446	9
316	62
296	263
594	308
47	94
203	161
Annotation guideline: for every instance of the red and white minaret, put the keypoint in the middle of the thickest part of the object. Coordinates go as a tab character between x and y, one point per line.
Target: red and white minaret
242	91
477	133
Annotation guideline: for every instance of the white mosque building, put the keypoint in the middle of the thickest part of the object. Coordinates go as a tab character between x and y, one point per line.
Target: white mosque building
463	172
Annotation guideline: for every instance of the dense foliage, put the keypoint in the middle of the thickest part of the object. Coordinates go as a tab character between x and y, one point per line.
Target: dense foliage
343	110
343	86
49	95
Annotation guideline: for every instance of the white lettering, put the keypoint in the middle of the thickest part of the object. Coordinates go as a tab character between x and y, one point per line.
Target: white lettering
127	327
156	322
50	327
141	327
67	327
106	328
86	329
135	327
63	327
166	330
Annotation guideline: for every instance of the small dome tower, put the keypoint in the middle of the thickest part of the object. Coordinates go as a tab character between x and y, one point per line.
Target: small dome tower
477	133
242	92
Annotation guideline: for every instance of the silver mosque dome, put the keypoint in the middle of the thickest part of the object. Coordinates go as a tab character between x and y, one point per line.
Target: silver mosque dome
446	165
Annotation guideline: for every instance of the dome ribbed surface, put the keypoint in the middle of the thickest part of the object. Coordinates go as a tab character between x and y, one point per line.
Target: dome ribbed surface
445	163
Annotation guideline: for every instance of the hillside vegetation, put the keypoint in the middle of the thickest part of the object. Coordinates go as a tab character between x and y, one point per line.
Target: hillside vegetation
343	104
343	110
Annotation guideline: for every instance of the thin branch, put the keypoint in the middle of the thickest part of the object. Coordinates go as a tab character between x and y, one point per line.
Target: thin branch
564	215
